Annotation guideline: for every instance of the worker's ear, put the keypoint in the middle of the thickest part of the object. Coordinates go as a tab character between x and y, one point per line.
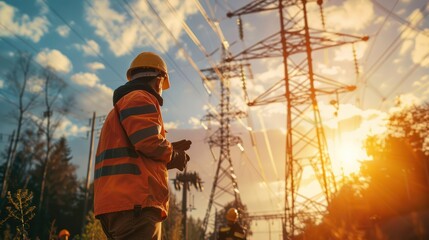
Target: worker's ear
159	82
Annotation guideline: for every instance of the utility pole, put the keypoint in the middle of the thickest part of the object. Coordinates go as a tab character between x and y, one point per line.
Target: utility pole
184	181
88	172
305	138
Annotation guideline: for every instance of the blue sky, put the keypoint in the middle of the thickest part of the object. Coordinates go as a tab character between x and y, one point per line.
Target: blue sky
91	44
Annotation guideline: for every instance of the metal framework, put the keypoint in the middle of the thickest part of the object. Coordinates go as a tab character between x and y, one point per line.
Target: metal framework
305	138
185	180
225	180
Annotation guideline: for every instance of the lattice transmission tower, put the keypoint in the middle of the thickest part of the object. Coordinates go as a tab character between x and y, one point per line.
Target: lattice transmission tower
225	186
306	144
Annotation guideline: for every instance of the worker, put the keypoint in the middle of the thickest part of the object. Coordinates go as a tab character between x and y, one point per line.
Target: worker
233	230
64	235
131	192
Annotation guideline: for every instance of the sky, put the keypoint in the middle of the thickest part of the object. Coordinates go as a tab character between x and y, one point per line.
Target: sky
91	43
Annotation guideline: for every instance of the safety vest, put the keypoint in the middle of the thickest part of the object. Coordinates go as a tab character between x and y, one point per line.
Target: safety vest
232	232
132	153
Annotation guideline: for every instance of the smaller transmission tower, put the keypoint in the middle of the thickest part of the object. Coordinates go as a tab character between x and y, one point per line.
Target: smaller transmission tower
225	180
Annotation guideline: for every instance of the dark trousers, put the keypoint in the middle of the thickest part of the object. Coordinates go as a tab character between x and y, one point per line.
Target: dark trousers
144	224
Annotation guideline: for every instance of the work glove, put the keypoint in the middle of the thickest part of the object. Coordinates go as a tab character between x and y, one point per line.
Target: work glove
181	145
179	159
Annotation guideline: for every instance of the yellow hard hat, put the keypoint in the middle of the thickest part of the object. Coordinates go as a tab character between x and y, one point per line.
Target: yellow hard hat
232	215
64	233
150	60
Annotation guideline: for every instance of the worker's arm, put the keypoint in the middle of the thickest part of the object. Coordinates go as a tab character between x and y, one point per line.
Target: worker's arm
142	122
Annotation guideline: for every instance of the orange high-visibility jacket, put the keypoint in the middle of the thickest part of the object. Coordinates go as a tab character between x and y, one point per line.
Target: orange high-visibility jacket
130	166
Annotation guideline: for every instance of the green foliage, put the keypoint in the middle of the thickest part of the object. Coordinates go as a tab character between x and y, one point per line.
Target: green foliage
61	190
172	226
92	230
20	209
195	230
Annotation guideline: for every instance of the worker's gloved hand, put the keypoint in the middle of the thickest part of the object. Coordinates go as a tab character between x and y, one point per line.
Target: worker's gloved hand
179	159
181	145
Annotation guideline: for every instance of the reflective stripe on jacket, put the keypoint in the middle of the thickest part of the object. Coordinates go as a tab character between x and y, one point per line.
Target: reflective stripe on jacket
232	232
130	167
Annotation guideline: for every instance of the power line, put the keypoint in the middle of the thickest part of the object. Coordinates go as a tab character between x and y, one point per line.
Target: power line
34	61
400	19
379	30
120	78
385	55
200	46
104	21
136	16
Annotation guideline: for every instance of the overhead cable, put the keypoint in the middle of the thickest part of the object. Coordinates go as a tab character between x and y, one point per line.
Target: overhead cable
120	78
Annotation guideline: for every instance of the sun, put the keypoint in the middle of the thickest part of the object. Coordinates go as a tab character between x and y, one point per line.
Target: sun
346	157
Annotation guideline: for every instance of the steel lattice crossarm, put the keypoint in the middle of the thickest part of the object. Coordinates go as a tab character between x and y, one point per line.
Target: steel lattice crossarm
260	6
272	47
269	216
218	140
230	70
299	92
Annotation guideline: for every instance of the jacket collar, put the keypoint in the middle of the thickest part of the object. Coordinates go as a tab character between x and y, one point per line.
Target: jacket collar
136	84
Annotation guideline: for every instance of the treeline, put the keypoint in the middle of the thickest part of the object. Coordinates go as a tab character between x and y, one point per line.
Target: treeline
41	193
389	198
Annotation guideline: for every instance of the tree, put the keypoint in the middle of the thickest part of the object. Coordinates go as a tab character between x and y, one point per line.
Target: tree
21	210
399	173
195	229
92	229
22	98
61	187
52	89
172	227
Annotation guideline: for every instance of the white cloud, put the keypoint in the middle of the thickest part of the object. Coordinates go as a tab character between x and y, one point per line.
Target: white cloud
124	33
351	14
90	49
35	85
94	66
194	122
85	79
408	33
180	54
1	83
171	125
97	98
44	9
63	30
329	70
416	18
407	44
67	128
414	41
420	53
22	25
345	52
404	101
55	60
